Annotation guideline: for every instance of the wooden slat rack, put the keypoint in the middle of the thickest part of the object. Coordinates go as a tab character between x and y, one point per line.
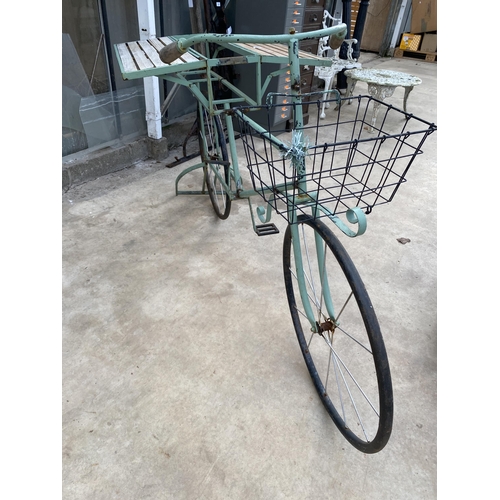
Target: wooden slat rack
141	58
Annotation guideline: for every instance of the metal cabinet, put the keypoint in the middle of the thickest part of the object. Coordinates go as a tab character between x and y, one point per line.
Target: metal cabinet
264	17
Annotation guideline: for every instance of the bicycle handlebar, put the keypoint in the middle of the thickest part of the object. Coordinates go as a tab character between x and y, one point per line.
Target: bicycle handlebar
173	51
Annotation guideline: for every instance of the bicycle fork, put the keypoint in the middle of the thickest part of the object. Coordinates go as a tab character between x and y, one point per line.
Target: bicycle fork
321	299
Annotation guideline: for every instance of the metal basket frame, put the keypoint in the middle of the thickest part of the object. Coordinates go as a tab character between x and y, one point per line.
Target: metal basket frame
330	166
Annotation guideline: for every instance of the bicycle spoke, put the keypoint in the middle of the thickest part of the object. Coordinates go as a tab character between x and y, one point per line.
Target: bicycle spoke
348	365
318	306
351	376
339	387
213	143
338	371
353	339
300	312
219	193
352	400
310	339
308	294
327	374
343	307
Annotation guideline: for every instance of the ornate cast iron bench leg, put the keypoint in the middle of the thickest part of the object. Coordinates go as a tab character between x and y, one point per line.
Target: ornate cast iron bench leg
407	93
379	92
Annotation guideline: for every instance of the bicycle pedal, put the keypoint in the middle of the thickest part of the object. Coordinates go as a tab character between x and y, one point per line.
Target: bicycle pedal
266	229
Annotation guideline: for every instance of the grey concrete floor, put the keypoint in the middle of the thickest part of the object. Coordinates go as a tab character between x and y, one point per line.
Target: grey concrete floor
182	376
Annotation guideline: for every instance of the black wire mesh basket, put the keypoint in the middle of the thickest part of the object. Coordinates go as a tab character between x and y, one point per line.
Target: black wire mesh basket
330	166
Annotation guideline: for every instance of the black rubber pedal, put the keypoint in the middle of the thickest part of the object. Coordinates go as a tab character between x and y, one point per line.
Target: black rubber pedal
266	229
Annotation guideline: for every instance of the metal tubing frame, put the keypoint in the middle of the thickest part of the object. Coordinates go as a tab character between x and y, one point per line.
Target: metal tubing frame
226	41
240	193
209	103
299	266
184	43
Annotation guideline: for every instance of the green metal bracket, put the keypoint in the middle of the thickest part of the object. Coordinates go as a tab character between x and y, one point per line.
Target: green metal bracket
187	171
263	214
354	216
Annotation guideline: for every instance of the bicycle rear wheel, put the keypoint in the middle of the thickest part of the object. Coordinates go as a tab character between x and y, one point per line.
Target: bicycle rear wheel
343	348
213	151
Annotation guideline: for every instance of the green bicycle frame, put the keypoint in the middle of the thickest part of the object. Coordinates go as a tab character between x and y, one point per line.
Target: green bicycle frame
210	104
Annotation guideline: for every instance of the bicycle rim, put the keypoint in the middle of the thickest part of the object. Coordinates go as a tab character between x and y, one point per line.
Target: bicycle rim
213	149
345	356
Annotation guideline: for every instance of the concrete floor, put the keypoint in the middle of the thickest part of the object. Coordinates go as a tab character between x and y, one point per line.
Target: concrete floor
182	376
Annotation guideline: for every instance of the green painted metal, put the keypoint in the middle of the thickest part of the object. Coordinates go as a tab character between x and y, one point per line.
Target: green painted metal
222	180
270	76
321	253
231	41
235	172
299	266
274	140
354	216
158	71
263	214
242	96
193	75
187	171
248	193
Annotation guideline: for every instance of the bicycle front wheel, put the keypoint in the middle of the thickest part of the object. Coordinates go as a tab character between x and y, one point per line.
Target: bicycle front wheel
341	343
213	151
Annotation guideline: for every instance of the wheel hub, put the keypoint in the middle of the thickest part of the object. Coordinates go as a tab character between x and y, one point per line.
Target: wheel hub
327	326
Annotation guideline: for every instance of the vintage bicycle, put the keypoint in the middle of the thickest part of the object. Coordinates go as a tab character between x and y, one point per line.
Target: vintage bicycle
336	170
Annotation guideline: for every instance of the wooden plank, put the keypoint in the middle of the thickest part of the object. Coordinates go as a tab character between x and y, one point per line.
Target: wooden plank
416	54
140	58
151	52
308	55
187	57
276	50
157	44
127	60
265	49
354	16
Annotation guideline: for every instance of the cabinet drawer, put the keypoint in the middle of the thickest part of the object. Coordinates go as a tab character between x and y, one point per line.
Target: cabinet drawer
315	3
313	19
310	46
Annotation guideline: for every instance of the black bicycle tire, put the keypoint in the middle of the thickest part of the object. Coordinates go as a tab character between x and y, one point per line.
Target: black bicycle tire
221	138
372	328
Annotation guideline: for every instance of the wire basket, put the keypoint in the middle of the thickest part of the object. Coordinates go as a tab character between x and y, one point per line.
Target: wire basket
330	166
